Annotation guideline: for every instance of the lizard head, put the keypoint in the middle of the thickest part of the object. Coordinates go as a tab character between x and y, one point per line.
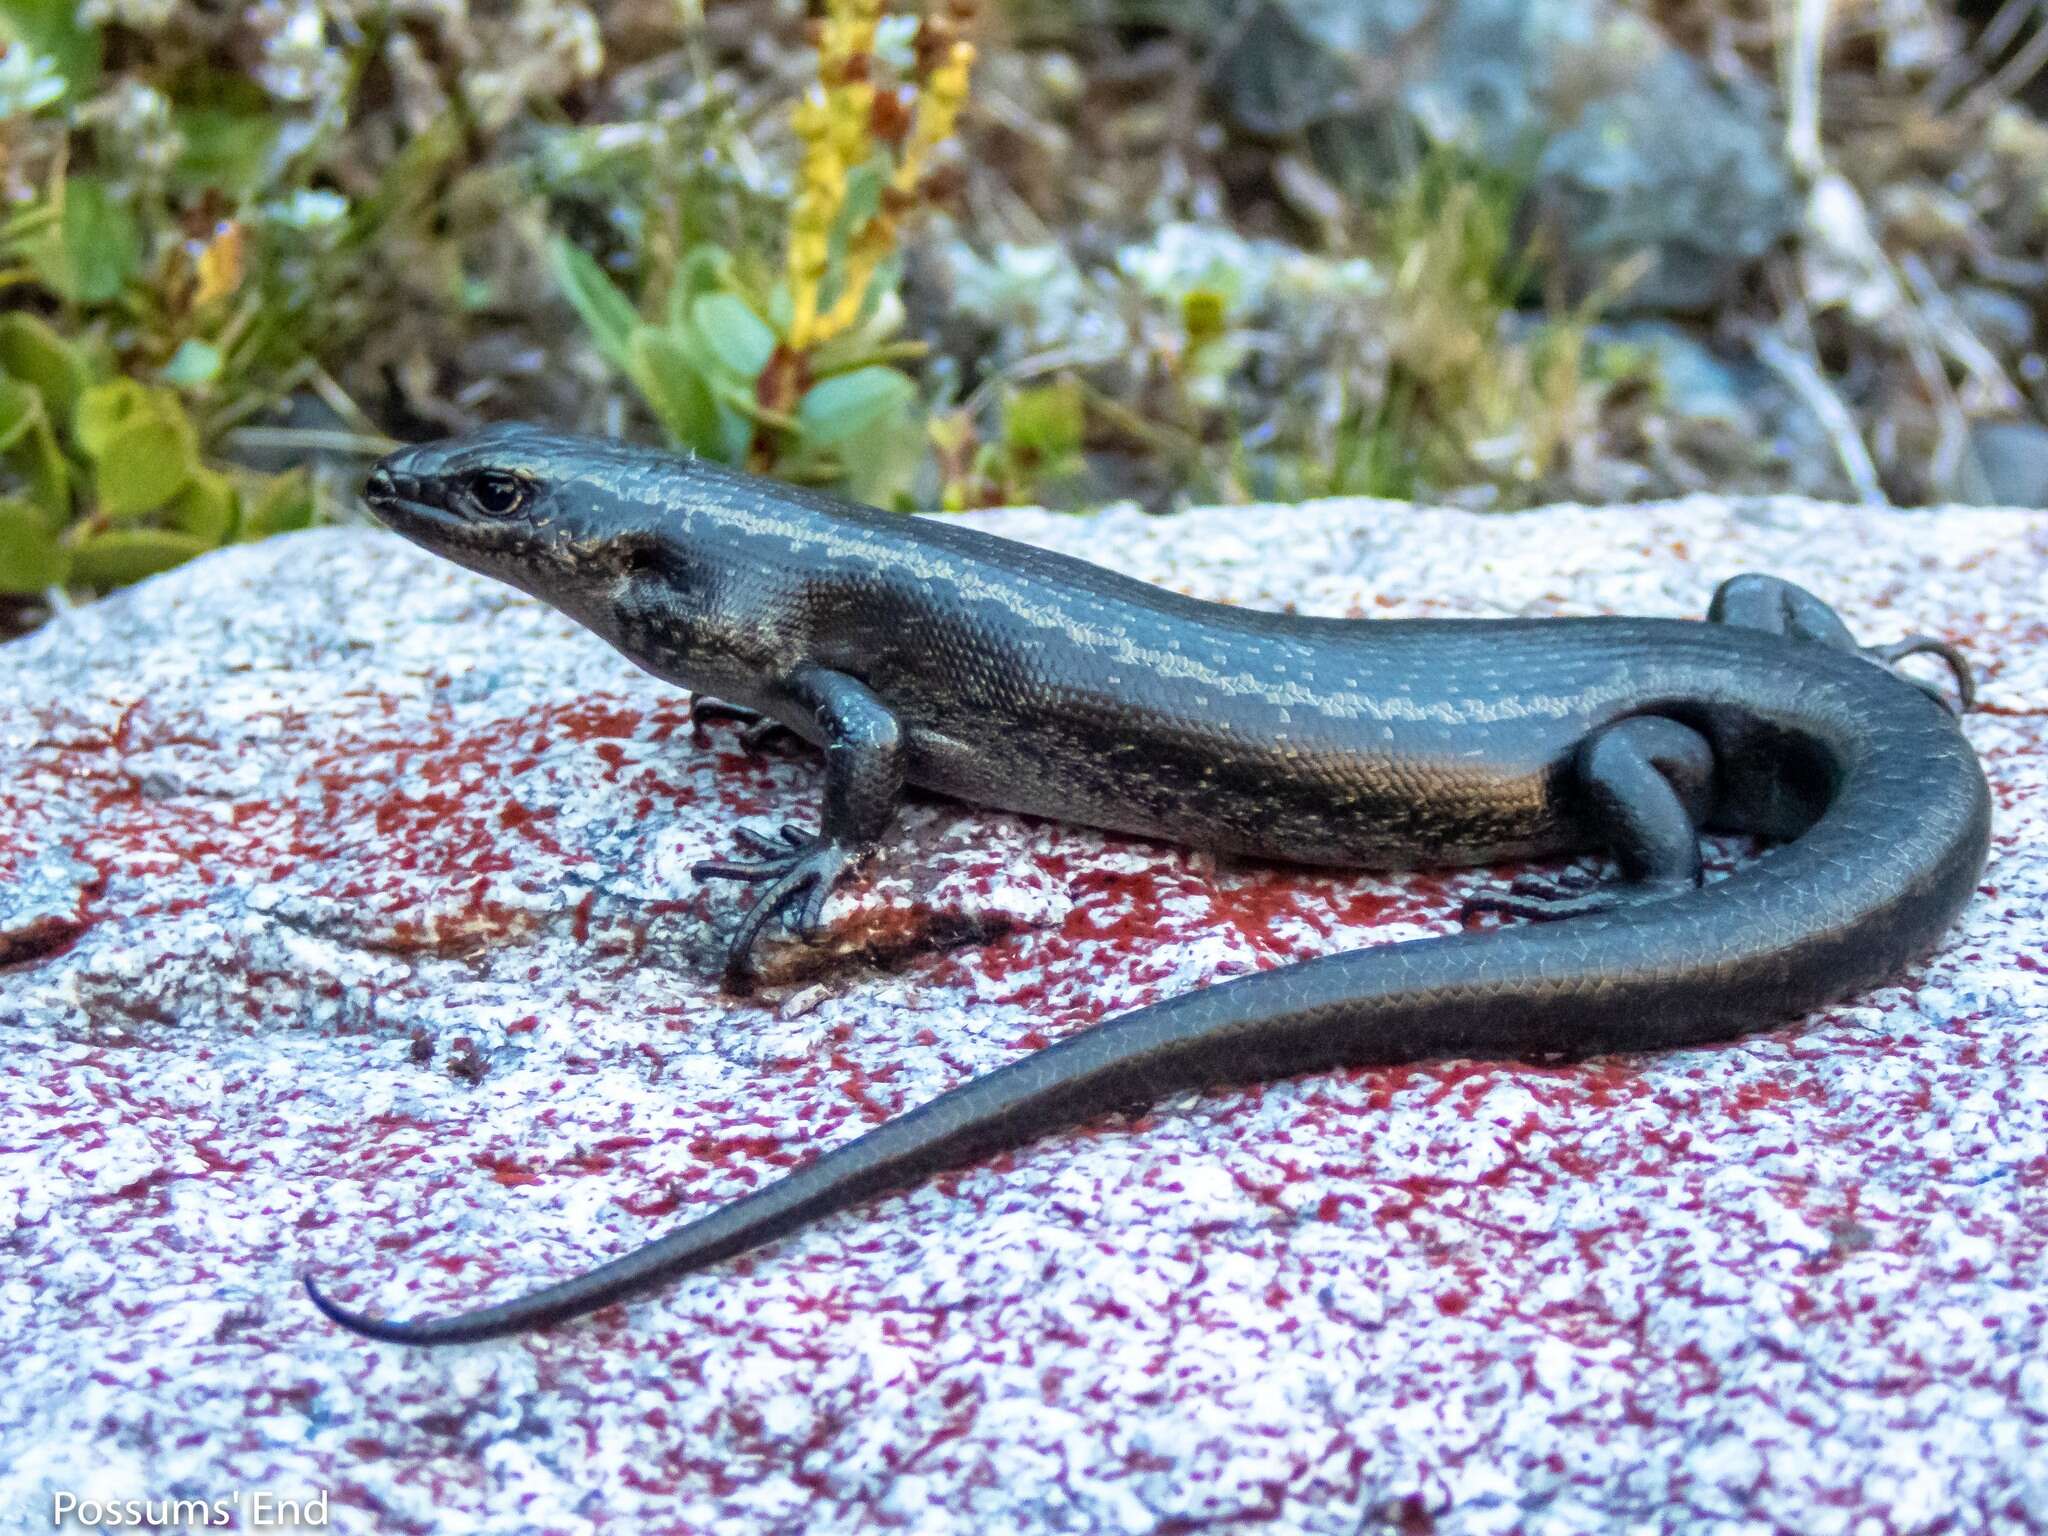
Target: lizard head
625	540
487	499
548	513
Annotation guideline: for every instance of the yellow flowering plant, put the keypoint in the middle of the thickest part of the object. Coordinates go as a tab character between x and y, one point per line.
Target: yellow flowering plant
781	373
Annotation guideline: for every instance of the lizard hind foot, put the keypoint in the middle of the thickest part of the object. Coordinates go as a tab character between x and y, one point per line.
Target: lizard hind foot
1778	607
1931	645
757	733
1544	900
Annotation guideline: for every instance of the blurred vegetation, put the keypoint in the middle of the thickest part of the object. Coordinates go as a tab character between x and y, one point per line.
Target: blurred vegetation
782	372
941	254
1464	399
112	483
166	275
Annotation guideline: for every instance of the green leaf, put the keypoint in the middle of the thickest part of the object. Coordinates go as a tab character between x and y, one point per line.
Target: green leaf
849	404
31	558
194	364
226	129
279	504
20	409
53	29
863	195
735	435
30	449
143	465
1046	424
205	508
704	269
669	378
121	555
781	308
863	199
96	249
34	353
105	409
606	311
740	339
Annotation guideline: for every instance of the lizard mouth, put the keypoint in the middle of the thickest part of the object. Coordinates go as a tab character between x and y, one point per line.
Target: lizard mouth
396	501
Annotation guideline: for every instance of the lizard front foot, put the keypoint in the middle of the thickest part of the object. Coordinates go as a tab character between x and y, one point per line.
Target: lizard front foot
799	870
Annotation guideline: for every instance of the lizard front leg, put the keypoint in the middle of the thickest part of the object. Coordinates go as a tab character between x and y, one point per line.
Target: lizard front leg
863	785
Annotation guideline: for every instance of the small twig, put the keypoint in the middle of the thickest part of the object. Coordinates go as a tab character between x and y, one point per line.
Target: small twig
337	400
1799	57
2009	271
1799	62
1999	32
1850	239
1803	377
244	406
1947	327
2003	27
2013	76
1185	446
315	440
1035	366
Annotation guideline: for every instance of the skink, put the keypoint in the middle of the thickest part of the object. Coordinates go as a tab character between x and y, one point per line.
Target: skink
923	652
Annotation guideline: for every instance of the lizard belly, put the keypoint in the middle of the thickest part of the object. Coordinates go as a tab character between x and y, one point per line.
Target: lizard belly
1319	802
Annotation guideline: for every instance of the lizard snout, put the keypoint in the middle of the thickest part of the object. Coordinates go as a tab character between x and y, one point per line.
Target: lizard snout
386	486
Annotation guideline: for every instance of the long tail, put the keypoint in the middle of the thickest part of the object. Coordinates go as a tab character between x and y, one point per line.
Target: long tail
1869	887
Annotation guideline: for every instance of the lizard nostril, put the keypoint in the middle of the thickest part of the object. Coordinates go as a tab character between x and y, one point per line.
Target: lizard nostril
385	485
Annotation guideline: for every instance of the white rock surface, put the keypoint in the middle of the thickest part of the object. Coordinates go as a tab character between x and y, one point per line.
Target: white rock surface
348	903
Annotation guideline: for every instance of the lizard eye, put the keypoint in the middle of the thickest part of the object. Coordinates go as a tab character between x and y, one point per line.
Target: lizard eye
495	493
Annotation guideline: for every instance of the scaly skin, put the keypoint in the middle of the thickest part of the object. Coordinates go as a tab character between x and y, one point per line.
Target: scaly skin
928	653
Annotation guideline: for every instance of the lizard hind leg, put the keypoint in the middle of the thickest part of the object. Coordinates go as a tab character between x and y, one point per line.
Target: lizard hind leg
1779	607
757	732
1645	785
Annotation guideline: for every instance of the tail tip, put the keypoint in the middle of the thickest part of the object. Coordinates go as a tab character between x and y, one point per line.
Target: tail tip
384	1330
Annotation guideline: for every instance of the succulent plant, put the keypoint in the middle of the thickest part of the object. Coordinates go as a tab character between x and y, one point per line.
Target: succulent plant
102	481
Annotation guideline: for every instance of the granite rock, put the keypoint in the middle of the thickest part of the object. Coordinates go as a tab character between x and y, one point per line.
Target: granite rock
1636	147
2007	464
349	930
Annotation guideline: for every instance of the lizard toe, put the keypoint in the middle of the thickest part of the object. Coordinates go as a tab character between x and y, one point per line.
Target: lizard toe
779	855
801	880
1548	900
1930	645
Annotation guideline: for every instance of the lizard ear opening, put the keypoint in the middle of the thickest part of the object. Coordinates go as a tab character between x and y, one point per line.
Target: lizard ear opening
640	554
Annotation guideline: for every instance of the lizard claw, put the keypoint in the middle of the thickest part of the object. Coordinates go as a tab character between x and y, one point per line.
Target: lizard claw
1930	645
703	708
775	852
778	855
755	738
